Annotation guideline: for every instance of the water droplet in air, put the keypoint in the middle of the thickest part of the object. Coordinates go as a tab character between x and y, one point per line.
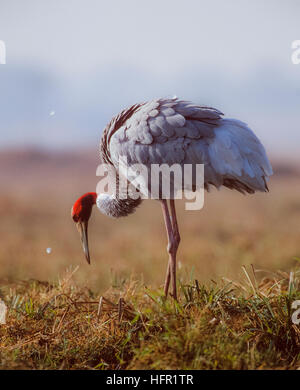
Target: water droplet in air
49	250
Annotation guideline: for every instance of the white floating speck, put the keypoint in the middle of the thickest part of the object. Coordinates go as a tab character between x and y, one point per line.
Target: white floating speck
52	113
3	310
49	250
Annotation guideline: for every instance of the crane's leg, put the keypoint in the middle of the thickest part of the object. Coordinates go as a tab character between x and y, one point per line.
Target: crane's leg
175	224
167	280
173	243
176	241
168	225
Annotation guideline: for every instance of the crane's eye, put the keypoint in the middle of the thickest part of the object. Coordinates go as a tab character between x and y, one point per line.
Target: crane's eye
75	218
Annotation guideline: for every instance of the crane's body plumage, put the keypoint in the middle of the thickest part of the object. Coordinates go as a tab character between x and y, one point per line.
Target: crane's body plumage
173	131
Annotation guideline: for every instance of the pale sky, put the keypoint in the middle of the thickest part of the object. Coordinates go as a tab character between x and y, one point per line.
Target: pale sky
85	60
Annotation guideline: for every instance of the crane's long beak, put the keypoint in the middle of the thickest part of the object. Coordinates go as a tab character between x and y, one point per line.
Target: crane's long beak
82	227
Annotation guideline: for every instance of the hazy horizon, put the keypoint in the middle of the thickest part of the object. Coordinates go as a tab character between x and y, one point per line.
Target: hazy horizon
71	66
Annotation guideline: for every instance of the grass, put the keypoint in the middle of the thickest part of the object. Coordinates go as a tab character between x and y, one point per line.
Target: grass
221	325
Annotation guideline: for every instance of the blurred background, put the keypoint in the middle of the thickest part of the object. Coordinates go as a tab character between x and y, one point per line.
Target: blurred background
71	65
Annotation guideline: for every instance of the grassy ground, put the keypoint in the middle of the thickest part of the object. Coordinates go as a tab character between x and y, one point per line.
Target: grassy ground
217	326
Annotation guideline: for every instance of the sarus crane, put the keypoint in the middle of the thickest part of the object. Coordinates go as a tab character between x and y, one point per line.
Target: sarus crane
172	131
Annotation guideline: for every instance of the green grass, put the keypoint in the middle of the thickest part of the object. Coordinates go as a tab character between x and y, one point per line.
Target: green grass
224	325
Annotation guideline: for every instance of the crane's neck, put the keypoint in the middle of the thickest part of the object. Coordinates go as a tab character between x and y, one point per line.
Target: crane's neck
114	207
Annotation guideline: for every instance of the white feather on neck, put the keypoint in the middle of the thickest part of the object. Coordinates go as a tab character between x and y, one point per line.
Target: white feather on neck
113	207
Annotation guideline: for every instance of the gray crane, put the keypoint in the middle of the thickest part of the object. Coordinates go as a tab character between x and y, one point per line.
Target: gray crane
172	131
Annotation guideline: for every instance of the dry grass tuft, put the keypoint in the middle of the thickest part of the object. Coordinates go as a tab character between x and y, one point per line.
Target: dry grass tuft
227	325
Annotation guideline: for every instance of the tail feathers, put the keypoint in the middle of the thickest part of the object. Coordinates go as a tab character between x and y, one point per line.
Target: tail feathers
238	157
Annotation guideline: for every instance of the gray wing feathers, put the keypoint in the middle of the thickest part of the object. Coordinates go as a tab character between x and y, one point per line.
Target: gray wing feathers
174	131
236	153
171	118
